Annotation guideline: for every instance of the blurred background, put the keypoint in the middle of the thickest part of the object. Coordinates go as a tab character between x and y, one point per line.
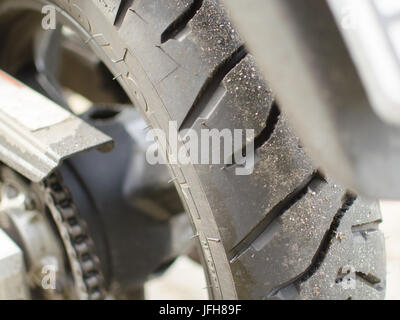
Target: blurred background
185	279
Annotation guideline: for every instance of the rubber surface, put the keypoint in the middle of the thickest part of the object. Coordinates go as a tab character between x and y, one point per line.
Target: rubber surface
285	231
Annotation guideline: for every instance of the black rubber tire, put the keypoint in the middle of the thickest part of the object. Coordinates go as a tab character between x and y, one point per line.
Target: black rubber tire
283	232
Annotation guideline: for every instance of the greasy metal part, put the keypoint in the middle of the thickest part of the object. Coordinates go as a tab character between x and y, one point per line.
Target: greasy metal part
12	270
36	134
41	249
21	218
26	212
371	30
304	58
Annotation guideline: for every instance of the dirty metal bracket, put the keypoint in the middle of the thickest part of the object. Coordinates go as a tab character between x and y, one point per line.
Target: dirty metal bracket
36	134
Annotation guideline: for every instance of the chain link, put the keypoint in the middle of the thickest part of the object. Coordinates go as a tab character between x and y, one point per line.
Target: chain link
85	265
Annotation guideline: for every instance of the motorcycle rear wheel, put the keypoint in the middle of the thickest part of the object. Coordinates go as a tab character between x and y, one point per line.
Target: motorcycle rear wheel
284	232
